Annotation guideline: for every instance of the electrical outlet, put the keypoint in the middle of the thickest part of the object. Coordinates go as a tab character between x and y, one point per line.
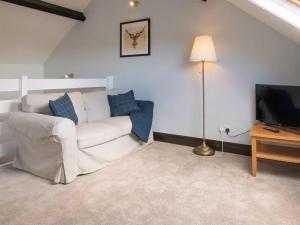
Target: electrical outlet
224	129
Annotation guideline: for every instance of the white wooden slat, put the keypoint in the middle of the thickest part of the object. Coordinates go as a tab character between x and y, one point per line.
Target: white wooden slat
7	85
23	86
54	84
8	106
110	83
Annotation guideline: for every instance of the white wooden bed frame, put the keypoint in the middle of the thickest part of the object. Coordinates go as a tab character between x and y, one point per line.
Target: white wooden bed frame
23	86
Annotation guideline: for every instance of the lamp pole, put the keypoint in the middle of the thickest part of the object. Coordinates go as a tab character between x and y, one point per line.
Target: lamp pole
203	50
203	149
203	101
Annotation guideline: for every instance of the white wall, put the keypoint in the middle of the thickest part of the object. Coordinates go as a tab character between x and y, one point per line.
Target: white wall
10	71
248	52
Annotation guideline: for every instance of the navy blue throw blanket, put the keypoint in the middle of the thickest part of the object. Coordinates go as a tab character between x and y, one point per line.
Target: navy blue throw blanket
142	120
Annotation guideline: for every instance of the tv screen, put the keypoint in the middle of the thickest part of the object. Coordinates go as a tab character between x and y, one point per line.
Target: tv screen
278	105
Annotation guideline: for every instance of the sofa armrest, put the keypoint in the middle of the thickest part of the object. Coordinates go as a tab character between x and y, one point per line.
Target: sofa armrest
59	161
37	126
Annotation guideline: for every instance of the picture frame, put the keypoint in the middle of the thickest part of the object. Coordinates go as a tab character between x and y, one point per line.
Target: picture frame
135	38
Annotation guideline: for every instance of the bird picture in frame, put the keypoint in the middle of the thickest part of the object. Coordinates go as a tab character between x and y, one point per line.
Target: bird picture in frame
135	38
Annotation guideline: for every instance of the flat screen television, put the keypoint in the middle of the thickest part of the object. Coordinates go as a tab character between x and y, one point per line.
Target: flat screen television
278	105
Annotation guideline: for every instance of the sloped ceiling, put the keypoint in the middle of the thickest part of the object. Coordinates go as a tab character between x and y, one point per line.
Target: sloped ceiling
29	36
268	17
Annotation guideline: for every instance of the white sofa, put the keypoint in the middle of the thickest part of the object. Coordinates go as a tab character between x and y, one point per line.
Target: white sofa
56	149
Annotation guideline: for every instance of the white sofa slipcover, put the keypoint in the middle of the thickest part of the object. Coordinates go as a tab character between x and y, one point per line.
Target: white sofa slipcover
56	149
97	133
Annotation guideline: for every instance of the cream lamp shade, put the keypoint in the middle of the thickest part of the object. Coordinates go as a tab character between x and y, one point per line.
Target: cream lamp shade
203	49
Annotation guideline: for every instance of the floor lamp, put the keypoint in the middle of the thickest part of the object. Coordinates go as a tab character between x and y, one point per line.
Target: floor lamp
203	51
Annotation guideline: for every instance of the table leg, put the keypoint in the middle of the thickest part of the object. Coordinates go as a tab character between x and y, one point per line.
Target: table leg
254	159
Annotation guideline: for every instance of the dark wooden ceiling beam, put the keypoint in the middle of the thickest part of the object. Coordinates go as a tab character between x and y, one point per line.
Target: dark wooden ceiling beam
49	8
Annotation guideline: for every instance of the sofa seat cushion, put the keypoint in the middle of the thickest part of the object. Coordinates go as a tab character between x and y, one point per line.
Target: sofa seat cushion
102	131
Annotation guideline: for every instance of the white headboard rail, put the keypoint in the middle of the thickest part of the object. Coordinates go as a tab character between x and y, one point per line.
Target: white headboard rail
24	85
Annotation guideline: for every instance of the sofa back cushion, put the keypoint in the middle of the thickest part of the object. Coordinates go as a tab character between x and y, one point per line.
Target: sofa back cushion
96	105
39	103
77	100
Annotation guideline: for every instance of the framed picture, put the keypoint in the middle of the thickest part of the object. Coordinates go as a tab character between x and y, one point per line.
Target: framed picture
135	38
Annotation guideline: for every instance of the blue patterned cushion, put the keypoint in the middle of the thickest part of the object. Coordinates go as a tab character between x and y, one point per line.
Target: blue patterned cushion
63	107
122	104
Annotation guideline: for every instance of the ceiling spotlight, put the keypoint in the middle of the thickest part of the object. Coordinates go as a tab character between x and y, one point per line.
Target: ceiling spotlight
296	2
134	3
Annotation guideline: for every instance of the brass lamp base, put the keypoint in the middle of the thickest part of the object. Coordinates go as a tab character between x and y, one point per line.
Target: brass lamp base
204	150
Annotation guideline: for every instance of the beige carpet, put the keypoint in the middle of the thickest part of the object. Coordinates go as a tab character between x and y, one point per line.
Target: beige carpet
162	185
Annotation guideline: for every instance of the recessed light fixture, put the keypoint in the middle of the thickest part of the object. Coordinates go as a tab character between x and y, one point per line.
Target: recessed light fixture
296	1
134	3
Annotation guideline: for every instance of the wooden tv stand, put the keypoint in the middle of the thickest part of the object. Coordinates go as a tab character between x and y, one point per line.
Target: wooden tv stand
259	138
